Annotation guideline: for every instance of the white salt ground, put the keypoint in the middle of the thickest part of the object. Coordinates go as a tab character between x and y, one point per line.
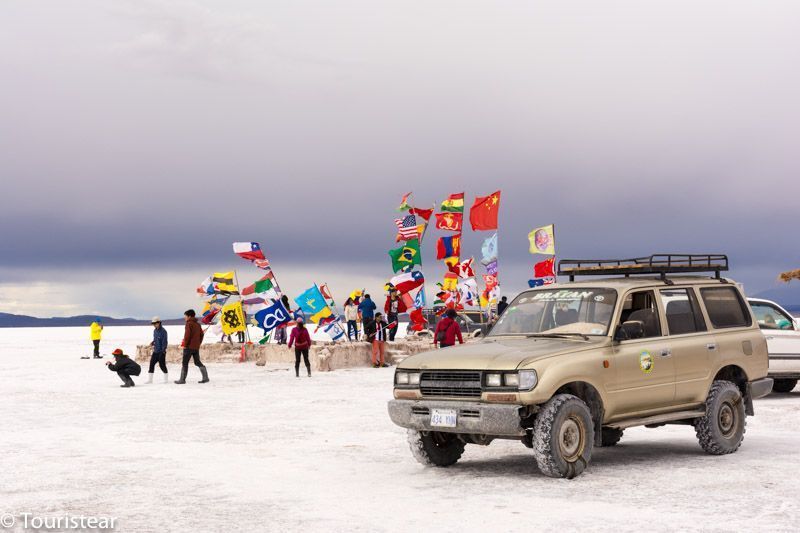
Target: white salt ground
259	450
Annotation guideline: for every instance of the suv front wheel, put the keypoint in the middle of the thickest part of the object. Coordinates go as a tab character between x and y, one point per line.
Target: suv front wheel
435	448
563	437
722	428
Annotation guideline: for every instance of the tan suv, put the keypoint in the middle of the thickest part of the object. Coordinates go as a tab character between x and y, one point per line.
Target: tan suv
569	366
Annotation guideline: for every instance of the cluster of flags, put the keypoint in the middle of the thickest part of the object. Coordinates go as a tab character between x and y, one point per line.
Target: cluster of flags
411	228
459	286
543	241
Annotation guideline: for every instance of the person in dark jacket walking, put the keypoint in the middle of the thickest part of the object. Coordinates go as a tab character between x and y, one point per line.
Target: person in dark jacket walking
125	367
501	306
367	309
377	332
159	355
192	339
301	340
447	330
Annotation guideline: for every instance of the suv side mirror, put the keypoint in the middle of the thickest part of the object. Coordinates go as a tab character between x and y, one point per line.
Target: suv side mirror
632	329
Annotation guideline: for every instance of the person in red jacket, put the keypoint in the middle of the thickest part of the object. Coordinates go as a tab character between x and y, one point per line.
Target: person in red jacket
393	307
192	339
302	342
448	330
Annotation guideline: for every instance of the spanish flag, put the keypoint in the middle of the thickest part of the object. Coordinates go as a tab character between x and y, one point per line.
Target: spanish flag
454	203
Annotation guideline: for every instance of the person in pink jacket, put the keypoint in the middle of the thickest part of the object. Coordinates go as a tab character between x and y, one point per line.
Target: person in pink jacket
301	341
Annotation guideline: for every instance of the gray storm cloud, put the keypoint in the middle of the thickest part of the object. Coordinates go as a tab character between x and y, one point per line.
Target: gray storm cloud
153	134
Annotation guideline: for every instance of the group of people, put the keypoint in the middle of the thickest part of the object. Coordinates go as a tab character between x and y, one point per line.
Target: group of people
376	330
125	367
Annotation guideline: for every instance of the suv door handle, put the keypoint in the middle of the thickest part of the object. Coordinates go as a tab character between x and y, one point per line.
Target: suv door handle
711	346
666	352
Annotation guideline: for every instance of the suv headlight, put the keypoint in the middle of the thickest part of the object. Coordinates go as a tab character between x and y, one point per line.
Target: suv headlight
527	380
407	378
494	380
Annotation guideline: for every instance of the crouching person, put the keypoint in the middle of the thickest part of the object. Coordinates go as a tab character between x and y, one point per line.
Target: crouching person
125	367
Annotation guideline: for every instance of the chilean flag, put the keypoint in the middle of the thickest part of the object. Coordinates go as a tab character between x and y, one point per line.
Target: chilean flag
250	251
408	281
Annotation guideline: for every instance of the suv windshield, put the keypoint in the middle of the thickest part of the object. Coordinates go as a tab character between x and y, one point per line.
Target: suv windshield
584	311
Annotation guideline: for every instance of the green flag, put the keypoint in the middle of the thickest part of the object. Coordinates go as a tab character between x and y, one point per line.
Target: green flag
406	256
263	285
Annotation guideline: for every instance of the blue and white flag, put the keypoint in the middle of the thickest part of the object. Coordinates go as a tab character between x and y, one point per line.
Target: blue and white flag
419	299
334	329
489	250
273	316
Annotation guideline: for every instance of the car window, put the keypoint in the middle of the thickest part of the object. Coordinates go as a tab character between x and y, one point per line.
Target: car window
725	307
769	317
682	311
582	311
641	306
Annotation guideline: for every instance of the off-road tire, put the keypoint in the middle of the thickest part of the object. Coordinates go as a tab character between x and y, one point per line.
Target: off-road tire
611	436
784	385
722	428
434	448
563	437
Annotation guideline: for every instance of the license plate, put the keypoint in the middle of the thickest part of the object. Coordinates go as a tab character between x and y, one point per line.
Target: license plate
444	418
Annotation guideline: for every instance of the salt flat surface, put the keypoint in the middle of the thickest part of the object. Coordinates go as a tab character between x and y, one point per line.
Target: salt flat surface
259	450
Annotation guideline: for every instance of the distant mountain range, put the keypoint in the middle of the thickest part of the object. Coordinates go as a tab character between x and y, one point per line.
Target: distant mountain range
8	320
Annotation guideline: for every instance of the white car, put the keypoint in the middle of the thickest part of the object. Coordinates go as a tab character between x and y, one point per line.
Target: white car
783	342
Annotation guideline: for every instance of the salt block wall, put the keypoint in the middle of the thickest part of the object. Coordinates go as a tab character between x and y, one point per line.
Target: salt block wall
324	356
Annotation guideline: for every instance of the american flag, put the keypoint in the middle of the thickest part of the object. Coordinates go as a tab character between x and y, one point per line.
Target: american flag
407	227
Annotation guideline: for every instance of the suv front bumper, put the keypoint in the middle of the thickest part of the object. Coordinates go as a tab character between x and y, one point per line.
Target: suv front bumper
471	418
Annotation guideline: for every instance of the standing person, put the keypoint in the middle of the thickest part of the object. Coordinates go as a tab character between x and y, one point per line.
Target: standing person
192	339
159	355
351	316
302	342
393	307
367	309
96	333
447	330
501	306
125	367
376	332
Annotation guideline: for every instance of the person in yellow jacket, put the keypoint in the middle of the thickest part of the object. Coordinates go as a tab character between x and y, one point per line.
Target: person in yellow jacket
96	333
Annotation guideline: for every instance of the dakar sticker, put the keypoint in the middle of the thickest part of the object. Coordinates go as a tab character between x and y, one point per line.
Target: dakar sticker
646	362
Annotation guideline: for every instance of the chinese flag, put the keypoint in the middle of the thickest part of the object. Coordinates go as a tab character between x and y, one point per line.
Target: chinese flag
424	213
544	268
483	214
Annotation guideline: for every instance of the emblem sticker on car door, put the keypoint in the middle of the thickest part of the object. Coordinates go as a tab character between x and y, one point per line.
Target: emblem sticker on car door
646	362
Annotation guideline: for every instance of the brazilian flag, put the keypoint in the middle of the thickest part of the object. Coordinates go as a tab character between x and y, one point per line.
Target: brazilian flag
406	256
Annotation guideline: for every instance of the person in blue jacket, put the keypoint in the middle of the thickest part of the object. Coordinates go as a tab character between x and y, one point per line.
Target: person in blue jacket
367	309
159	345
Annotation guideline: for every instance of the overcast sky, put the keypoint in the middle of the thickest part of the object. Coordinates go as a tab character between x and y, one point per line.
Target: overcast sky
139	139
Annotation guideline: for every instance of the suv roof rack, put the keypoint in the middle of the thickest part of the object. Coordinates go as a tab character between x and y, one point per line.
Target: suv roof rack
661	264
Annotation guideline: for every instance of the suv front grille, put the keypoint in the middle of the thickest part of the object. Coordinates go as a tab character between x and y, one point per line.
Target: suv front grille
451	383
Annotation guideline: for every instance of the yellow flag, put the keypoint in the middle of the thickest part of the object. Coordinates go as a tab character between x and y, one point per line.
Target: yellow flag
232	318
224	283
543	240
325	313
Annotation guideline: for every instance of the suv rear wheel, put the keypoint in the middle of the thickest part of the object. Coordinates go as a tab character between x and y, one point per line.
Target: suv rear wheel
434	448
722	428
784	385
563	437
